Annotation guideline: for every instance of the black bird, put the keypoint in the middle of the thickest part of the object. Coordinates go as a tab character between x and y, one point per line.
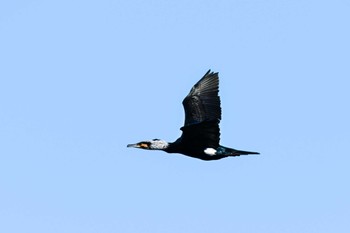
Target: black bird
201	133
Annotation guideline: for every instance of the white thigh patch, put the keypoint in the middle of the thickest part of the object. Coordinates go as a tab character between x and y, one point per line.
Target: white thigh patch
210	151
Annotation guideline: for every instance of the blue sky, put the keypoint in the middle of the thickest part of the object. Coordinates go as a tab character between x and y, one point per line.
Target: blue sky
79	80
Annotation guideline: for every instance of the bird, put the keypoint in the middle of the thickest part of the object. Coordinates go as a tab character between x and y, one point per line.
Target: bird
201	132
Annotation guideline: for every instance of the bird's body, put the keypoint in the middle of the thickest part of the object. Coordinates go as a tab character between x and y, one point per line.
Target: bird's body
200	133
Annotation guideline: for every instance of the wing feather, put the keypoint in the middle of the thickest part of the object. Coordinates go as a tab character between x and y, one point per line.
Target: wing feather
203	101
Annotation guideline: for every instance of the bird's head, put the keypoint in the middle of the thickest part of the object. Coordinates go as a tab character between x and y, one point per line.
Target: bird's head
155	144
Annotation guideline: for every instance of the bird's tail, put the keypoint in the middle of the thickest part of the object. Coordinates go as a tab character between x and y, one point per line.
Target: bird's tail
242	152
234	152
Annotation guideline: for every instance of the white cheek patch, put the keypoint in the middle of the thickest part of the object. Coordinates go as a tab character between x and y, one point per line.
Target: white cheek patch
210	151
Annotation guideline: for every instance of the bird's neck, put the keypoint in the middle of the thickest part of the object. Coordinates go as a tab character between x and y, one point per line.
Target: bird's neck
173	147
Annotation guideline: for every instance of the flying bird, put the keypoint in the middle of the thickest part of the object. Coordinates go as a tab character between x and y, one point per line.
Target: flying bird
200	133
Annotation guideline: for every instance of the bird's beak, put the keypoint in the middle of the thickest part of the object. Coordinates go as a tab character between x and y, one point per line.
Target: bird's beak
136	145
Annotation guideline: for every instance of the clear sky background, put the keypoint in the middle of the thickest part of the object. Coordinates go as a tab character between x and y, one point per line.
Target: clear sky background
79	80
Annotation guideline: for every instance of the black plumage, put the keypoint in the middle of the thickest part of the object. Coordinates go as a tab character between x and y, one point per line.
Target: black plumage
201	133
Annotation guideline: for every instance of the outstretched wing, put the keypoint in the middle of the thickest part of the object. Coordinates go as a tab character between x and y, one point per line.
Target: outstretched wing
203	101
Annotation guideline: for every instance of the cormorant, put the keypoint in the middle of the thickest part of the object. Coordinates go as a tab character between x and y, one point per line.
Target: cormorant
200	133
